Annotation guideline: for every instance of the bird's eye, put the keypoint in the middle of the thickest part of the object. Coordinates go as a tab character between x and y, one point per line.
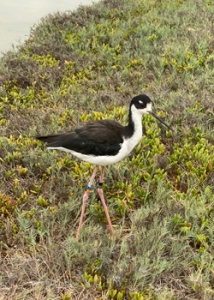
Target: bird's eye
141	104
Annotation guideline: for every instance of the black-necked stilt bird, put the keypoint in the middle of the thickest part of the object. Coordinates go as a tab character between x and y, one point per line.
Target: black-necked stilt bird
103	143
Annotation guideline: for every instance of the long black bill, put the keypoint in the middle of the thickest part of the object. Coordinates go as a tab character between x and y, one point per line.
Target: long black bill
159	119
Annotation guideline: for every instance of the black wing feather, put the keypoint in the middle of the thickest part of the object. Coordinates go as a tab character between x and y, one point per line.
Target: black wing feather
102	131
102	137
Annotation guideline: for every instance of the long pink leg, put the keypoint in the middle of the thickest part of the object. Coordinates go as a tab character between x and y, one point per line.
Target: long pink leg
101	195
84	200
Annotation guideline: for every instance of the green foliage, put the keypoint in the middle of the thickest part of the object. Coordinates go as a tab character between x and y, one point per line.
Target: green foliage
87	65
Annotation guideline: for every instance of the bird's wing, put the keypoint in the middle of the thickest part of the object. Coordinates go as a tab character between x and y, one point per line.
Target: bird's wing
102	131
102	137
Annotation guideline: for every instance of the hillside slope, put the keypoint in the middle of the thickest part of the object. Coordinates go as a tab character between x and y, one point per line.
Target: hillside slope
87	65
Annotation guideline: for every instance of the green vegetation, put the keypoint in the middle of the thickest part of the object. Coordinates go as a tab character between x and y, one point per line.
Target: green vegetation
87	65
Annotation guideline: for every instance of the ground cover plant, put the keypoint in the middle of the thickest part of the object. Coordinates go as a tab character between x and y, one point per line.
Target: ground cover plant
87	65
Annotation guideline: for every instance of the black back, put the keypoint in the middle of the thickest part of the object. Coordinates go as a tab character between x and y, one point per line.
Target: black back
102	137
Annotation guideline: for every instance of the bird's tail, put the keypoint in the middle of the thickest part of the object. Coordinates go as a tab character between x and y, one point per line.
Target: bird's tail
54	140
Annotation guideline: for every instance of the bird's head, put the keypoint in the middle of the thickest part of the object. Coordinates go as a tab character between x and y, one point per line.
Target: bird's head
142	104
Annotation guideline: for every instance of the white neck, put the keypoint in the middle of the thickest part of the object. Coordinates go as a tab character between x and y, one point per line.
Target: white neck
138	131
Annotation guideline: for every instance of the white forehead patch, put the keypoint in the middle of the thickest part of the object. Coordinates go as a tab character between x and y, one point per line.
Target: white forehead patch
141	102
